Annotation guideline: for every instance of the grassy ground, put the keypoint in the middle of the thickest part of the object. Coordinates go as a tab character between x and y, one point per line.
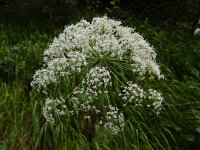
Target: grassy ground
177	127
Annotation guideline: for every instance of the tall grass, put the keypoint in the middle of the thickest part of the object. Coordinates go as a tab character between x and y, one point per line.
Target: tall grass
177	127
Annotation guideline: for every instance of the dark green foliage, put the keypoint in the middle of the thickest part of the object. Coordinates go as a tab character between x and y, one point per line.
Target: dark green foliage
62	12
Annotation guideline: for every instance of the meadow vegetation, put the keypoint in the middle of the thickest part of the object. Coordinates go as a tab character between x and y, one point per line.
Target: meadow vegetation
176	127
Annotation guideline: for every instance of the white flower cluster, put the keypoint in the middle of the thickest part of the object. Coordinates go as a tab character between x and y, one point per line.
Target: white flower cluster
97	79
95	47
113	121
134	94
102	36
42	78
81	105
58	66
66	65
53	107
157	99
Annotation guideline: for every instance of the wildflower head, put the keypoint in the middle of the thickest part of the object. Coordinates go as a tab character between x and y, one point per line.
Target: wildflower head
93	61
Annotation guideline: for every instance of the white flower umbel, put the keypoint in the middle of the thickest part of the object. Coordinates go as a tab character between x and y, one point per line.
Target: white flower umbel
156	98
92	43
97	79
103	36
113	121
52	107
89	62
42	78
69	64
132	93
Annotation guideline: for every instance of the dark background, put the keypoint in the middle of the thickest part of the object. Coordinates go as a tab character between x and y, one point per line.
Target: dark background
57	13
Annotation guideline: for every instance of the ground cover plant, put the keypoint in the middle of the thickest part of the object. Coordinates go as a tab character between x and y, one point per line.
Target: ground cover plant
26	123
